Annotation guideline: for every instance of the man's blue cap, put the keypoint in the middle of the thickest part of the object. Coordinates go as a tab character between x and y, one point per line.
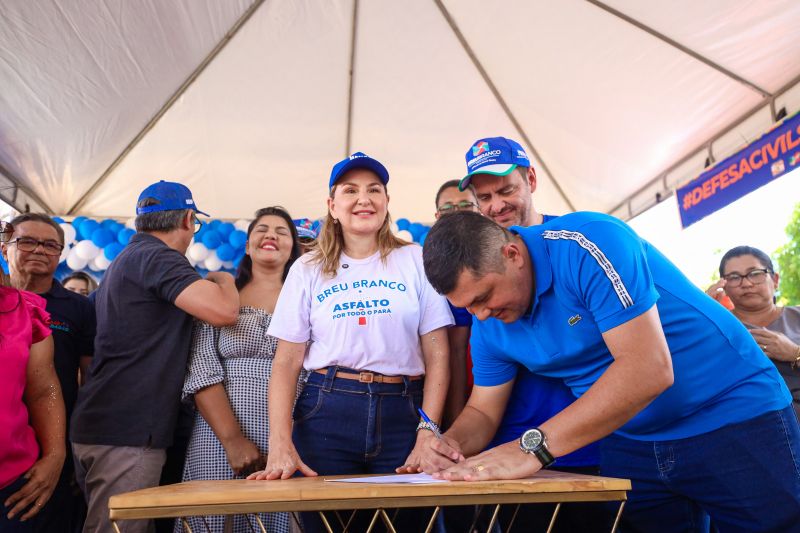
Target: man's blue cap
171	196
358	160
494	155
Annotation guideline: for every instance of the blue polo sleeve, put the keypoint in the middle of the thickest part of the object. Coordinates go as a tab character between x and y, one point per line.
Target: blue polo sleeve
489	366
609	271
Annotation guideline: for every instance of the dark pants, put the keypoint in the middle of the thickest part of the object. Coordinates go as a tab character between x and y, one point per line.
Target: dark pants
745	476
342	426
65	511
13	525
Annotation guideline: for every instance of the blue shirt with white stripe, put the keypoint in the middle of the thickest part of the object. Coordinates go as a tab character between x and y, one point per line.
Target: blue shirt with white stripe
593	273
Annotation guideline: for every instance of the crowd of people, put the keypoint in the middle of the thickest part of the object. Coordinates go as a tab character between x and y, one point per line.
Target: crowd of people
530	341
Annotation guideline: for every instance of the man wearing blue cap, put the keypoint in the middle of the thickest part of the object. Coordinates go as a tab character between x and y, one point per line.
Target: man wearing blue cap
125	415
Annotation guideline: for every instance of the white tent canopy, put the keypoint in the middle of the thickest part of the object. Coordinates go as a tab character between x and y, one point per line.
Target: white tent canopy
250	102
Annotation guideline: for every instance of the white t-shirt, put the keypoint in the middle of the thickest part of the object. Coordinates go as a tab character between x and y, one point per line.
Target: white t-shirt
369	317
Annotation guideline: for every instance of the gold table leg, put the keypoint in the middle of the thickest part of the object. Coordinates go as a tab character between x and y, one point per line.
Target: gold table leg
553	518
619	516
432	521
387	521
325	522
116	527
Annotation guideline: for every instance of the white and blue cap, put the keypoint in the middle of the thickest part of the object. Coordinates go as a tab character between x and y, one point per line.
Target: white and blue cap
358	160
494	155
170	196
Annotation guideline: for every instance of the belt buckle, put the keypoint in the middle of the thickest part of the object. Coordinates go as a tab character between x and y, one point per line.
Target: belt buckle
366	377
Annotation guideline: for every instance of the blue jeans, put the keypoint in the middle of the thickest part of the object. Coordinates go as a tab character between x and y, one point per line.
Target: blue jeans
745	476
342	426
13	525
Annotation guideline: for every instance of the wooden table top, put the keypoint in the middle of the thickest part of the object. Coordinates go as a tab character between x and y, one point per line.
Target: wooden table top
314	493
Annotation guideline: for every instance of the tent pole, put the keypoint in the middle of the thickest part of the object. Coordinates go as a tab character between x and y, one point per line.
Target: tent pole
686	50
351	79
19	186
168	104
708	142
492	87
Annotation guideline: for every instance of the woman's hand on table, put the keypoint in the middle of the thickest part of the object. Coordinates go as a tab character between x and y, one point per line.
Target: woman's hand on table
506	461
282	462
243	456
431	454
775	345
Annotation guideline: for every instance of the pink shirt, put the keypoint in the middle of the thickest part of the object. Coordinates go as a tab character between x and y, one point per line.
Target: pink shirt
23	321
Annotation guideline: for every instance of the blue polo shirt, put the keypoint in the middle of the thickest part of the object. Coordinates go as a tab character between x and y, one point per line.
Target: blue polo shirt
593	273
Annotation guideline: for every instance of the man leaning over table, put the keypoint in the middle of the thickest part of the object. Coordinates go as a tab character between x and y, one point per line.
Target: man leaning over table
696	416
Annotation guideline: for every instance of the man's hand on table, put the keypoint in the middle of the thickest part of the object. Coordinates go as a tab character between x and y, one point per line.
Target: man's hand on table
431	454
506	461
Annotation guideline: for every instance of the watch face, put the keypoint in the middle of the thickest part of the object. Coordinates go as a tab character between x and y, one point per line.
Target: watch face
532	439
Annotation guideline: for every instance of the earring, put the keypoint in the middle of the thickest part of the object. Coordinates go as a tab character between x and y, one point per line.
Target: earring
335	220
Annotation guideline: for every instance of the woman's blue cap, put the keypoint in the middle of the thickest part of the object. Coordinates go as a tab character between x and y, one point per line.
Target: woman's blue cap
358	160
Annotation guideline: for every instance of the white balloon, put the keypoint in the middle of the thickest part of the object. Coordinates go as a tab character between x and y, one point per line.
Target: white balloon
191	260
395	229
75	261
228	265
241	224
69	233
87	249
213	263
100	262
197	251
405	235
64	254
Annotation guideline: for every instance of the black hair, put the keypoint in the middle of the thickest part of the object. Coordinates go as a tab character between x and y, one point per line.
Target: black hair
447	185
244	274
463	240
38	217
739	251
165	221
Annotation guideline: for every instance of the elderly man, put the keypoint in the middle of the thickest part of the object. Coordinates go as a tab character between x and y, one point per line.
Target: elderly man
126	413
700	420
33	253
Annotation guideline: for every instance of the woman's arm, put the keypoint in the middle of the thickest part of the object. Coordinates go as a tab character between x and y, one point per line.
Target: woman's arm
47	415
214	406
435	350
283	460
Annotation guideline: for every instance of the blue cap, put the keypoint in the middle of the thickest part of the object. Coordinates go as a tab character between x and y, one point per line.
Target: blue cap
358	160
494	155
305	228
171	196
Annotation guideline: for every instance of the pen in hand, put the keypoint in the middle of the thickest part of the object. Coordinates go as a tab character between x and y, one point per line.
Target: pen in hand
432	425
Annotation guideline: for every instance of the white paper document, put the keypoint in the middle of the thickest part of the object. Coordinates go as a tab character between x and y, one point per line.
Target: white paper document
398	478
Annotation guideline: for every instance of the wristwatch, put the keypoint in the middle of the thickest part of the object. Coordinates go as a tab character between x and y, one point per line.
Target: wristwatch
534	442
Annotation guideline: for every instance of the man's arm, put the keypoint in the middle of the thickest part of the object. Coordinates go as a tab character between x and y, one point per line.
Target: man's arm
47	416
214	300
641	370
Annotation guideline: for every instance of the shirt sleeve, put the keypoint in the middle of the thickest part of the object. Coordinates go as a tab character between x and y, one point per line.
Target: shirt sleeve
461	316
488	367
205	368
40	318
291	320
610	272
169	273
434	308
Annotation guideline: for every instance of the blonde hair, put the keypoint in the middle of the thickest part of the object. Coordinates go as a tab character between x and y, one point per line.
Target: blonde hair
328	247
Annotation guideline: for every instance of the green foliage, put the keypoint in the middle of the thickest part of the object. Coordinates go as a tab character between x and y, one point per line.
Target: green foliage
788	259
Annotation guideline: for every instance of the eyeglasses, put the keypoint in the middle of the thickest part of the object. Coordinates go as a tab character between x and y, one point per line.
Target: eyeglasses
756	277
198	224
450	207
6	230
26	244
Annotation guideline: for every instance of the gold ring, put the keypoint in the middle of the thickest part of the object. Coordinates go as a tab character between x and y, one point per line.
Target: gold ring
478	468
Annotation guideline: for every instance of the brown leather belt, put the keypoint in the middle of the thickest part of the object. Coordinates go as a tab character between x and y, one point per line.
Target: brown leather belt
369	377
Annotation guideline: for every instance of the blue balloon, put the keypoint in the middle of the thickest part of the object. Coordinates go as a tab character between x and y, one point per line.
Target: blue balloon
3	265
403	223
214	225
416	230
112	250
115	228
211	239
423	237
225	252
108	223
102	237
125	235
58	220
202	231
237	238
77	221
225	229
87	227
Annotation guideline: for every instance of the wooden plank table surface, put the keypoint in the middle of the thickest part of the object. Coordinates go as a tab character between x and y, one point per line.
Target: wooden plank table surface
198	498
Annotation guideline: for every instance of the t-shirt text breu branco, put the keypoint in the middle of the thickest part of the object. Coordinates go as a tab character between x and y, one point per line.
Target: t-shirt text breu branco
368	317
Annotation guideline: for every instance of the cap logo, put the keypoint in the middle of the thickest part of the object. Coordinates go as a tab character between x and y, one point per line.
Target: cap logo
479	148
